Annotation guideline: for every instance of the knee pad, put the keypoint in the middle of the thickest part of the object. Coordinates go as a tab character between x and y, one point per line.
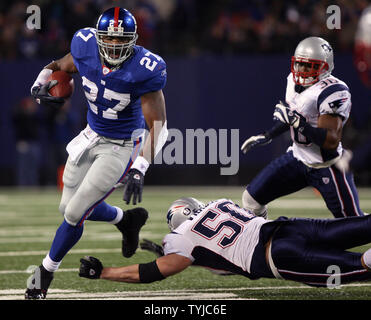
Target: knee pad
72	216
251	204
81	204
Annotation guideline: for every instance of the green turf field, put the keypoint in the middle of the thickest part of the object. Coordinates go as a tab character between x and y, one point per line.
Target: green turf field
29	219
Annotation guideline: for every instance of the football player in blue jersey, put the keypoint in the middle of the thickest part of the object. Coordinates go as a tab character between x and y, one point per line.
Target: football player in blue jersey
123	85
316	107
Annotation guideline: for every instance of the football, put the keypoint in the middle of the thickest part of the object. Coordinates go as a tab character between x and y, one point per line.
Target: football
64	87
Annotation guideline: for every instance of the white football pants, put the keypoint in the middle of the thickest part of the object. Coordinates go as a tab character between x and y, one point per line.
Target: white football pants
92	179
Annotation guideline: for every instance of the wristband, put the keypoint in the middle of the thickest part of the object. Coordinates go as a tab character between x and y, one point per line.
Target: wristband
140	164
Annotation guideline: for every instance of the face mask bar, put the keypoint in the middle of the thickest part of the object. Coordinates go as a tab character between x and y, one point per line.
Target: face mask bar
116	53
307	78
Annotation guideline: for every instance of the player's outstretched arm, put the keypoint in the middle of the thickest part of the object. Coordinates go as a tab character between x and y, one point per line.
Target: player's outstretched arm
264	138
154	111
40	88
156	270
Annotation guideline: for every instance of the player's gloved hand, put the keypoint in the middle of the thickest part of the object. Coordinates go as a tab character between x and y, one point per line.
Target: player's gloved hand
152	247
90	268
133	186
283	113
260	140
42	95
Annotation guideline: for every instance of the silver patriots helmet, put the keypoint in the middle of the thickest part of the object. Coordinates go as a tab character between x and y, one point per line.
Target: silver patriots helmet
180	210
317	56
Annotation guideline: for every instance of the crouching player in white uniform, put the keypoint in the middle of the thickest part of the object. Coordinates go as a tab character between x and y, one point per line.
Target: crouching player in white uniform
123	85
224	237
316	109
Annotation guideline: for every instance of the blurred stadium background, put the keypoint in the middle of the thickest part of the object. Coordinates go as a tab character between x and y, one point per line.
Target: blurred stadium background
227	66
227	63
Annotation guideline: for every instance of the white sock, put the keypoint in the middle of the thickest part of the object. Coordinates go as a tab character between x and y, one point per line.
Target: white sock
50	265
119	216
366	259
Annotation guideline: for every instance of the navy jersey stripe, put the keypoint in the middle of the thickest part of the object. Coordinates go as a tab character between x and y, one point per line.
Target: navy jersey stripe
329	91
207	258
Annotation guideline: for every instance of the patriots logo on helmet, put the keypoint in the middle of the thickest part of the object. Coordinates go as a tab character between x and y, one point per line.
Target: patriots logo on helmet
337	103
170	213
326	47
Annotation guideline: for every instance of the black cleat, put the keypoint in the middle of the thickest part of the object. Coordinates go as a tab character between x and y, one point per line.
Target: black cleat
38	285
129	226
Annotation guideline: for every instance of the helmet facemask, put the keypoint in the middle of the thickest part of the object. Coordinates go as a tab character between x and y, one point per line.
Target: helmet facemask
315	70
115	53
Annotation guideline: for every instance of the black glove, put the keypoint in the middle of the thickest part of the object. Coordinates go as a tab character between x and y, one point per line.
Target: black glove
152	247
133	185
42	95
90	268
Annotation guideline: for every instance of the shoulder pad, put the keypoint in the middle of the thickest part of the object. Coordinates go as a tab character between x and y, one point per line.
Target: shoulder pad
152	64
82	42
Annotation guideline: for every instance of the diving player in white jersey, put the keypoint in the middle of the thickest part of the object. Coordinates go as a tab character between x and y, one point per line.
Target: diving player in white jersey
316	108
123	85
224	237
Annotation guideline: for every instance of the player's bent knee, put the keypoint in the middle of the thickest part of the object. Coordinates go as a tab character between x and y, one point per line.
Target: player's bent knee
72	216
251	204
72	219
62	208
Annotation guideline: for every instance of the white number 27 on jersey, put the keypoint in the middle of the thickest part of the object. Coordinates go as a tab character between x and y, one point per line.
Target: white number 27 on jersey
148	63
91	96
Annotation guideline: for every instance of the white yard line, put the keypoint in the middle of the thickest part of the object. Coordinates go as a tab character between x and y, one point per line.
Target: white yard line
25	271
90	235
128	296
42	252
186	294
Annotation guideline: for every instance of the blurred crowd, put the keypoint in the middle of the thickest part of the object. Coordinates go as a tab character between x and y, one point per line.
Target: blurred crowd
181	27
41	136
169	27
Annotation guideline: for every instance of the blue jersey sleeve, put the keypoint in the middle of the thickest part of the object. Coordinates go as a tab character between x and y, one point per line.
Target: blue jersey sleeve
154	83
83	45
148	71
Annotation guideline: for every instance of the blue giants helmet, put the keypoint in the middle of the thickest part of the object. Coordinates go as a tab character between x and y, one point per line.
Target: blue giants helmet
116	23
